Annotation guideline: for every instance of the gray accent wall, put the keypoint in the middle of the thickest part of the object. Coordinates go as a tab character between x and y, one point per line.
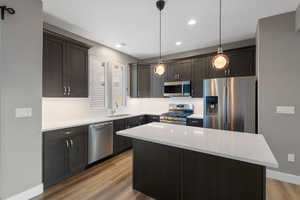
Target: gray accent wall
278	50
21	87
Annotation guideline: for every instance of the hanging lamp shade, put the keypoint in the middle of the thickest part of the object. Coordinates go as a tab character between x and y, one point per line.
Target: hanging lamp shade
220	61
160	68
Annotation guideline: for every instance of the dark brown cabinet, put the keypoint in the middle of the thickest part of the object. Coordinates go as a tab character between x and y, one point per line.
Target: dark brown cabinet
241	63
77	70
195	122
164	172
144	81
156	170
198	75
179	70
64	154
65	67
53	66
133	80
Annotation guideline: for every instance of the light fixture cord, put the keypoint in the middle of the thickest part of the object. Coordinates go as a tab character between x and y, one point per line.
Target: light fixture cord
160	35
220	25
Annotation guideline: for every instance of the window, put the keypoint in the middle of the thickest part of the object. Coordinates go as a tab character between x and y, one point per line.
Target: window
97	82
107	83
118	74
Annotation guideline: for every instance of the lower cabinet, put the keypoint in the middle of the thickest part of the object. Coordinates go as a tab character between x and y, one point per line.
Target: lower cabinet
122	143
64	154
194	122
153	118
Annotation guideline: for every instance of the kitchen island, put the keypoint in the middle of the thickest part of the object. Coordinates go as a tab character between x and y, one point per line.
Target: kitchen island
180	162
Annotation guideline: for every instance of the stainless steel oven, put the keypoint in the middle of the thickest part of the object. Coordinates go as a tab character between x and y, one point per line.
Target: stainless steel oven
177	89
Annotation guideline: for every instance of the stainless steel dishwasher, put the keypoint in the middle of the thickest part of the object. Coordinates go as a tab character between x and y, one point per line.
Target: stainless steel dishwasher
100	141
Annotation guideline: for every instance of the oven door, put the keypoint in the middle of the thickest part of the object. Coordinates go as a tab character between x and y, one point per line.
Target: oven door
173	89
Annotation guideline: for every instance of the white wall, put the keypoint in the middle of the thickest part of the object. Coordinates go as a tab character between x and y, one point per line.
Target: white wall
278	49
21	87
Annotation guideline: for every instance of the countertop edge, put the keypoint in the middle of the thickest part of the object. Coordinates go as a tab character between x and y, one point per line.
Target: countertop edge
266	164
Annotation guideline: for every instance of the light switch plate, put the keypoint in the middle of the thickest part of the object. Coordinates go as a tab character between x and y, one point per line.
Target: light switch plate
23	112
285	110
291	157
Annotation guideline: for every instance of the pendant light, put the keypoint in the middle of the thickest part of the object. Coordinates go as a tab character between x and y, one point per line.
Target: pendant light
160	68
220	61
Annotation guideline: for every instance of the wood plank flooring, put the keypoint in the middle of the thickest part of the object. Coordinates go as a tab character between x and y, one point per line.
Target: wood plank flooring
112	180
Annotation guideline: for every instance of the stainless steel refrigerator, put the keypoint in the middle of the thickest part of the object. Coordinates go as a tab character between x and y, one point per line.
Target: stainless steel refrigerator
230	104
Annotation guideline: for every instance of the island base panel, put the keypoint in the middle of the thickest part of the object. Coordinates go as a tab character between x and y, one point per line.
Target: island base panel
165	172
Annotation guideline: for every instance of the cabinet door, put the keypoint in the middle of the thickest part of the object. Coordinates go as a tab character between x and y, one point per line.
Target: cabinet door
179	70
144	81
199	180
133	80
77	73
120	142
157	84
198	75
238	180
53	63
242	62
78	149
156	170
55	157
195	122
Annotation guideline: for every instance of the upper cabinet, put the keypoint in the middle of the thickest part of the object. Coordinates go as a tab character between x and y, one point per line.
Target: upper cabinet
179	70
65	67
198	75
144	83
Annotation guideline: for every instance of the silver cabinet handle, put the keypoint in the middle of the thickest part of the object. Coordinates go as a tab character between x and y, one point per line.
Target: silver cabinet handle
72	143
65	90
68	132
69	90
67	143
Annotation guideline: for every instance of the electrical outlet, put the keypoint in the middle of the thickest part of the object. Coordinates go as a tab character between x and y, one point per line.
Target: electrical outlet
291	157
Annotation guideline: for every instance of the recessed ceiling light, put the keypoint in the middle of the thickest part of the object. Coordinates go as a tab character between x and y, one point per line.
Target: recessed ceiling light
178	43
120	45
192	22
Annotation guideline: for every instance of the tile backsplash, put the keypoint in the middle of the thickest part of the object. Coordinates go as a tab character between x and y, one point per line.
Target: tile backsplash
59	109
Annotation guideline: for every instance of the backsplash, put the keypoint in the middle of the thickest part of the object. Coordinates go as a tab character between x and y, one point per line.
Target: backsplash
59	109
160	105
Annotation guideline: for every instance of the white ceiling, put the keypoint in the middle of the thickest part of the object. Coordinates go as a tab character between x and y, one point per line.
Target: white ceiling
136	22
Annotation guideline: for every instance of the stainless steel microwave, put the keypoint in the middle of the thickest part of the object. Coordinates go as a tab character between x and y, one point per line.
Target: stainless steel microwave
177	89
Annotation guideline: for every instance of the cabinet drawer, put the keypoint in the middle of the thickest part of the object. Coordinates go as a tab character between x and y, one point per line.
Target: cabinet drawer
195	122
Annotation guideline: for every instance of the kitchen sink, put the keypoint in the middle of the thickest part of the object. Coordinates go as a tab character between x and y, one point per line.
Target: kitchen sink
119	115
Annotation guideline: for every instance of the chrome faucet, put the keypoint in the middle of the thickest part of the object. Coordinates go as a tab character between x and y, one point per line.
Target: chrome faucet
114	108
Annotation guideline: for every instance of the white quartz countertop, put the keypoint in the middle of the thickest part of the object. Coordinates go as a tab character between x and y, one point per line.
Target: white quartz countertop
246	147
61	124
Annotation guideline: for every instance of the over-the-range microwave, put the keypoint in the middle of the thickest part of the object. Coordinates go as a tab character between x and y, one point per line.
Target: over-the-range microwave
177	89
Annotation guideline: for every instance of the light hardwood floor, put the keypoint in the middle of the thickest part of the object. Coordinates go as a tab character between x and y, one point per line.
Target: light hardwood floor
112	180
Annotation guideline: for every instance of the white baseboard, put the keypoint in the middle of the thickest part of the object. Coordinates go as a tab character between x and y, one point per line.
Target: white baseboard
285	177
28	194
